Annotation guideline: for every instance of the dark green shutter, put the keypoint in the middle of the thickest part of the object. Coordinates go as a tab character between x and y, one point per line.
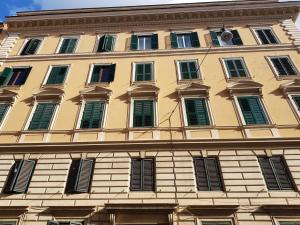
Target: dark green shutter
92	115
42	116
297	101
154	41
288	66
279	67
106	43
51	222
271	36
68	45
196	112
216	223
235	68
188	70
3	111
262	37
101	44
252	110
134	42
236	40
20	176
173	38
143	115
143	72
5	75
72	176
84	175
57	75
290	223
214	39
195	40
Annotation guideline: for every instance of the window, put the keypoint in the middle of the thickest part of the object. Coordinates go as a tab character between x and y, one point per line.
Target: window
92	116
103	73
57	74
188	70
252	110
216	223
51	222
19	176
266	36
218	41
31	46
144	42
283	66
236	68
185	40
276	173
208	174
143	113
3	111
68	45
14	76
296	100
42	116
80	176
290	223
142	175
8	222
196	112
106	43
143	71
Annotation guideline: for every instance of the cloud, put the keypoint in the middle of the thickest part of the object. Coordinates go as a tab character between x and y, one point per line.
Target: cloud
59	4
13	9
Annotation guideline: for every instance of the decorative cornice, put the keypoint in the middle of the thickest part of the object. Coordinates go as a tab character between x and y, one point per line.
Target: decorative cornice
160	52
141	15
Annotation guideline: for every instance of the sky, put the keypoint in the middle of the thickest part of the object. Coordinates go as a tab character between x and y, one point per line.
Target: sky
10	7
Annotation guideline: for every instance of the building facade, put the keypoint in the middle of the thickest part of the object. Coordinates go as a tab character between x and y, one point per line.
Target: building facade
181	114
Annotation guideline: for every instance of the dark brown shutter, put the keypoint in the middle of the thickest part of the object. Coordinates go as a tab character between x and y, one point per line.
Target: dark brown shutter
24	176
148	175
136	175
282	173
201	177
73	171
268	173
12	176
214	174
84	176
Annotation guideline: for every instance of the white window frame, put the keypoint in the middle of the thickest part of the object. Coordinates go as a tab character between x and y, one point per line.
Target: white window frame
294	105
268	58
134	70
104	117
240	112
49	71
227	72
89	78
208	106
26	41
7	112
179	76
155	112
98	41
62	38
257	38
53	119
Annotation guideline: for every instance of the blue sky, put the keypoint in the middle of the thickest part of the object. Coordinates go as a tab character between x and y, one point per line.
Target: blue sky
10	7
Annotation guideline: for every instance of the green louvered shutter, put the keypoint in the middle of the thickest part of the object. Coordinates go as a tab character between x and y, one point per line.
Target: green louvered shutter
51	222
214	38
31	47
236	40
72	176
42	116
106	43
57	75
3	110
143	72
195	40
287	64
252	110
84	175
290	223
134	42
92	115
216	223
19	177
5	75
143	115
154	41
7	222
236	68
196	112
68	45
174	43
